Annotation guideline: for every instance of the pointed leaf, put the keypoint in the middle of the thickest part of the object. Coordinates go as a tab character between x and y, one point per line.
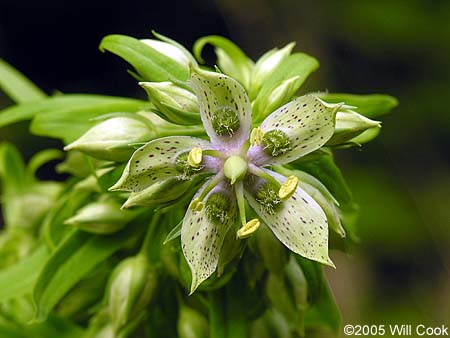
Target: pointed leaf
17	86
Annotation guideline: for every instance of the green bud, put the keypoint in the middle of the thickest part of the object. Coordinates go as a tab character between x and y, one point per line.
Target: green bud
282	94
14	245
132	286
177	104
235	168
101	217
158	193
191	324
273	254
265	67
349	125
169	50
110	140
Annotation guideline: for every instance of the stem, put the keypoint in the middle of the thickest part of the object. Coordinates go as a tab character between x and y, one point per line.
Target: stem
237	326
146	247
239	189
261	173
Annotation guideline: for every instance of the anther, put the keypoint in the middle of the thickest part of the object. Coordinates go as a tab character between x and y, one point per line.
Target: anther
195	157
288	188
248	229
256	136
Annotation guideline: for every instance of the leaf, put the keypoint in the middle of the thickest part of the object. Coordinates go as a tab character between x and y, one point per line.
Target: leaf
73	259
230	58
325	312
73	108
12	169
372	105
18	279
68	117
41	158
17	86
314	278
148	62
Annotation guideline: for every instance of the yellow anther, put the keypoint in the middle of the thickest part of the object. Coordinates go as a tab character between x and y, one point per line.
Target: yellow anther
196	205
195	157
288	188
256	136
248	229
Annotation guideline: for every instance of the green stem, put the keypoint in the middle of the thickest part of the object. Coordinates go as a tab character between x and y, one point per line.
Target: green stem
261	173
217	327
239	189
237	324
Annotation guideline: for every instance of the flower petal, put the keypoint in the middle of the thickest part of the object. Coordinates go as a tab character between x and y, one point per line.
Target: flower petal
157	160
307	123
202	238
224	107
299	223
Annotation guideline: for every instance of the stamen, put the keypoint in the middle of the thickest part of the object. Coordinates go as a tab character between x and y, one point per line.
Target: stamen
239	189
256	136
288	188
196	205
261	173
216	180
248	229
195	157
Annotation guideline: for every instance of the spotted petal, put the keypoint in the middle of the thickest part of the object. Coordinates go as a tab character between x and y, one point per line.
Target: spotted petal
156	161
202	238
299	223
308	123
219	95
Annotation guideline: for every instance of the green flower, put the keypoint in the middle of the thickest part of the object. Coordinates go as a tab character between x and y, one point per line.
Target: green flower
236	162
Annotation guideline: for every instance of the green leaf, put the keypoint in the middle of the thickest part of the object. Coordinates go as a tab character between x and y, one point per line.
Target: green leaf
372	105
71	110
67	117
74	258
17	86
314	278
12	169
297	65
18	279
148	62
41	158
325	312
230	58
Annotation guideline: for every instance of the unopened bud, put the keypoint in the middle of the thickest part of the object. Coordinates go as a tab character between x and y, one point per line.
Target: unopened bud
266	65
349	125
110	140
101	217
282	94
177	104
191	324
169	50
132	286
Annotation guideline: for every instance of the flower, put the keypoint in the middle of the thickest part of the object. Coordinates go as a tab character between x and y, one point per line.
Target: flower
236	161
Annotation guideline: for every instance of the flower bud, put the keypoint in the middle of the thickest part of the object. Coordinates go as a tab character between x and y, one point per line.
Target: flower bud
101	217
282	94
110	140
158	193
132	286
349	125
191	324
266	65
177	104
169	50
14	245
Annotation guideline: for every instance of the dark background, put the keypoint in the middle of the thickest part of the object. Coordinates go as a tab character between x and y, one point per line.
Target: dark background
399	272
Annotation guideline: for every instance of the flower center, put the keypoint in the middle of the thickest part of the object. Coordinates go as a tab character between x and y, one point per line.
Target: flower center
225	121
268	197
183	166
276	142
235	168
217	207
